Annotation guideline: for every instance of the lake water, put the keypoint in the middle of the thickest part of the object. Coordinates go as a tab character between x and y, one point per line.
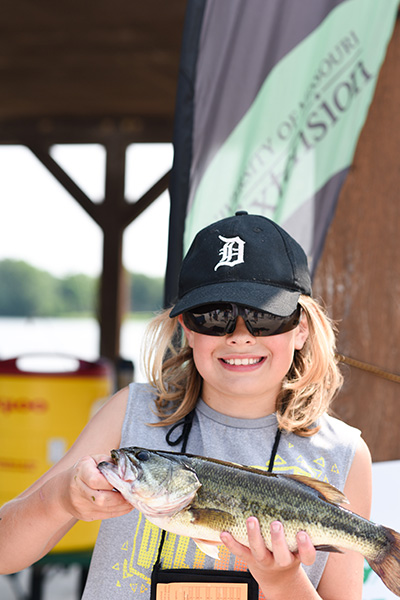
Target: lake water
79	338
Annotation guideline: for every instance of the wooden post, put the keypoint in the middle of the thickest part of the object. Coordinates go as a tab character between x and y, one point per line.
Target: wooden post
111	289
112	215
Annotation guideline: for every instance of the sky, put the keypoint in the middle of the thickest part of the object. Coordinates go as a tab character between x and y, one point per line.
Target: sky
40	223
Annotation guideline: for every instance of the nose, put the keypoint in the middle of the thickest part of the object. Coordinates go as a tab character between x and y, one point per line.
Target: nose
240	335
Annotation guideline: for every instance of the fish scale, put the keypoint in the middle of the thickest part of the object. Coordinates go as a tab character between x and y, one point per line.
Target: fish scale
201	497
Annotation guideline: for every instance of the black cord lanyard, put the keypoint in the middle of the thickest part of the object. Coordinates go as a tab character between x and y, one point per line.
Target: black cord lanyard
274	450
186	427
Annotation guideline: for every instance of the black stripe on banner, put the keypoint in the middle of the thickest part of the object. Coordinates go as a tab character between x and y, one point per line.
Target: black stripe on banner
182	140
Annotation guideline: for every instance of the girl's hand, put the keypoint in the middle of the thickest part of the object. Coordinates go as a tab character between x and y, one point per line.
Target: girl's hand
275	569
89	495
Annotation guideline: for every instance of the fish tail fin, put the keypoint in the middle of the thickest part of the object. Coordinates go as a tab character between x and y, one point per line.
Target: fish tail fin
387	563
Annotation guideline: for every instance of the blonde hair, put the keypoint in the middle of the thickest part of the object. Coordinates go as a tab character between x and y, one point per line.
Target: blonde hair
307	390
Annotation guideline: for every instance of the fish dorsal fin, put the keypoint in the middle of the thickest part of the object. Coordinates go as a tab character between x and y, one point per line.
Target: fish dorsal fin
326	490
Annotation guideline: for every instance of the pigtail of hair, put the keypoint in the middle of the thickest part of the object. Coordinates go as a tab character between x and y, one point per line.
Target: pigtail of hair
314	378
170	369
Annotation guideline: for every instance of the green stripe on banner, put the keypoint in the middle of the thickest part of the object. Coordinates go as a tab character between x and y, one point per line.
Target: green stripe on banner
304	124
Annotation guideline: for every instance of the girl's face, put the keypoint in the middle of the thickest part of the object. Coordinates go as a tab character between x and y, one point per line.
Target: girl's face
242	374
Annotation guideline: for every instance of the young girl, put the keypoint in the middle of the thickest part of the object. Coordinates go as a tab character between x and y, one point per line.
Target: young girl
241	369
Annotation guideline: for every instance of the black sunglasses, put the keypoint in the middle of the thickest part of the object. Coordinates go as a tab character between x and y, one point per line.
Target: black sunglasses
220	319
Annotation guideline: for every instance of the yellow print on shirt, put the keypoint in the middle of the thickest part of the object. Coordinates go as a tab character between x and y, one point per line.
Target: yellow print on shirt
143	557
317	468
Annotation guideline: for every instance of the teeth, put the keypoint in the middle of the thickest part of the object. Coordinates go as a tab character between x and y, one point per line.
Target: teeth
242	361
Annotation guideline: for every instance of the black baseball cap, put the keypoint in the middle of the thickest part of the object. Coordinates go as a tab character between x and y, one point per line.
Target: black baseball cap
244	259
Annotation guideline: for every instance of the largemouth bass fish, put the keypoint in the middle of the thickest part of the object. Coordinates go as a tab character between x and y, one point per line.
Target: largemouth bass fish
201	497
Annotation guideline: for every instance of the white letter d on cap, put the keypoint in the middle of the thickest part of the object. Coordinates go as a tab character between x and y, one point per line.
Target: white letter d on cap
232	252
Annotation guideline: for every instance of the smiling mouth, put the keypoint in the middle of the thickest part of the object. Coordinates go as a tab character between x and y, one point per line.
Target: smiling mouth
242	361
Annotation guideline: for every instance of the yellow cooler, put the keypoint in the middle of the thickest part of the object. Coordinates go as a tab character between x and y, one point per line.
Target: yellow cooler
41	415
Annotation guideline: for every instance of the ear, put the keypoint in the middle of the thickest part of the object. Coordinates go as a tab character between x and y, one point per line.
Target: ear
302	332
188	333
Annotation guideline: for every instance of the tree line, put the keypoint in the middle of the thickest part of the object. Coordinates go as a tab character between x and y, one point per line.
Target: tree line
26	291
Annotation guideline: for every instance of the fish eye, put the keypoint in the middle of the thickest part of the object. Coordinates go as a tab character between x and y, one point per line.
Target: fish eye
143	455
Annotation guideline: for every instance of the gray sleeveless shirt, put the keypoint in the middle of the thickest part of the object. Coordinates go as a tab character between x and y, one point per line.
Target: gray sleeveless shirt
127	546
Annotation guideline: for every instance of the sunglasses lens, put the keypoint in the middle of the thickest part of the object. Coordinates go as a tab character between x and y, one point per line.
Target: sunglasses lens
211	319
261	323
220	319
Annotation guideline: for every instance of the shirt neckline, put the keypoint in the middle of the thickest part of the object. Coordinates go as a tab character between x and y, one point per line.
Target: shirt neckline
228	421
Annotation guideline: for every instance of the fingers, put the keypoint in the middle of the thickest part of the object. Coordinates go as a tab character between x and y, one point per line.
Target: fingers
280	553
91	496
86	469
256	541
102	504
233	546
274	569
306	551
256	552
96	476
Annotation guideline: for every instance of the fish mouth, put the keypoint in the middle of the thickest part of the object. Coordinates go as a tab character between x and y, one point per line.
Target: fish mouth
127	467
130	467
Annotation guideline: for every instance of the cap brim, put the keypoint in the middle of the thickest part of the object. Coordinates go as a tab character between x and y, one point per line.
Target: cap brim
278	301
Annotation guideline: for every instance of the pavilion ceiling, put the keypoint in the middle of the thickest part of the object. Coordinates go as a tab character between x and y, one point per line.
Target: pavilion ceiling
71	66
